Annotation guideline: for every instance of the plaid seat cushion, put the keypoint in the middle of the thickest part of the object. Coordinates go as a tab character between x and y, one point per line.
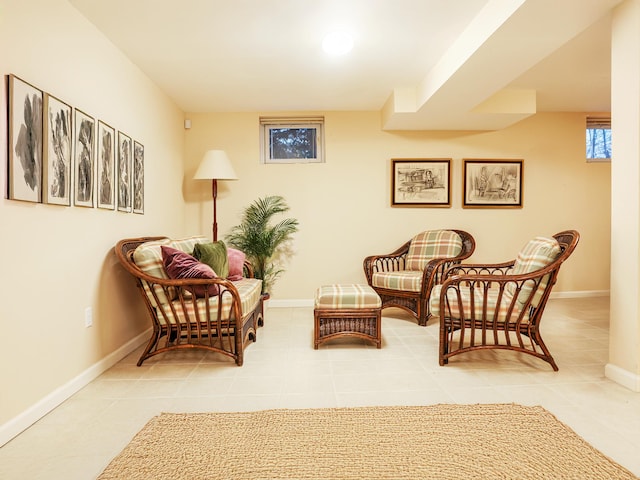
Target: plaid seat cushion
432	244
248	288
463	306
405	280
346	296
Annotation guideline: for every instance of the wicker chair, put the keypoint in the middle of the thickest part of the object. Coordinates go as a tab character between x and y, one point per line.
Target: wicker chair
405	277
219	319
500	306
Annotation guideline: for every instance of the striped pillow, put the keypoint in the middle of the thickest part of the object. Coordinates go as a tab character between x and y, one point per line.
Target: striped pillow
432	244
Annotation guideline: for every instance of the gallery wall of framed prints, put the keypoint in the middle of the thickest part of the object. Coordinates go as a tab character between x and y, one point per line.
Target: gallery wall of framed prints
63	155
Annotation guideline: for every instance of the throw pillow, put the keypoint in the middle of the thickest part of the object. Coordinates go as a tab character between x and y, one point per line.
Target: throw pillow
213	254
236	264
180	265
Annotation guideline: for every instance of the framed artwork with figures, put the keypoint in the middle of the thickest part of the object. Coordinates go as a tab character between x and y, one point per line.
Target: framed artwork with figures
418	182
492	183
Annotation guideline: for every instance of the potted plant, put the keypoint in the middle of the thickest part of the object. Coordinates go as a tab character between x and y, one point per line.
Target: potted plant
261	241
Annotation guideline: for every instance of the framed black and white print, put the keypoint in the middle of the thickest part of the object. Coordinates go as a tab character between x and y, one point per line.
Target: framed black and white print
25	141
57	152
138	177
84	159
492	183
124	172
417	182
106	181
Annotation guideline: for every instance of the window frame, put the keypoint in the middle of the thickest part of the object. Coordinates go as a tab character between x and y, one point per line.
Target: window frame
272	123
597	123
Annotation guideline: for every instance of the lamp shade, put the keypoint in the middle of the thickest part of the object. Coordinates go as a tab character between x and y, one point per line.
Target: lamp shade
215	165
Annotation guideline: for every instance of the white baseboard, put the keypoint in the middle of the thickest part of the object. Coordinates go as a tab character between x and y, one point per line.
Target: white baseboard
623	377
27	418
580	294
291	303
308	302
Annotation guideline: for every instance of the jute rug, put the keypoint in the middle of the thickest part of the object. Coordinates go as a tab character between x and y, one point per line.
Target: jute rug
439	442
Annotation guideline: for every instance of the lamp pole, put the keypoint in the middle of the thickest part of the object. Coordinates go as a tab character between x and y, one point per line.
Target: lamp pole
214	193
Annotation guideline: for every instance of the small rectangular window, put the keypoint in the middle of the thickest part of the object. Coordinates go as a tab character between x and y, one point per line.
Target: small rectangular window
291	139
598	139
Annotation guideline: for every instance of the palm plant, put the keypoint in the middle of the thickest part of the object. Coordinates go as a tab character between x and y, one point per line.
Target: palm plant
259	240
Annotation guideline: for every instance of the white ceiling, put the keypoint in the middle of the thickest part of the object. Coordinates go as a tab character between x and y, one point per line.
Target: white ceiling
426	64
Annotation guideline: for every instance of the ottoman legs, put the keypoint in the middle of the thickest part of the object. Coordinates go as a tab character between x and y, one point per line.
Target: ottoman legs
364	323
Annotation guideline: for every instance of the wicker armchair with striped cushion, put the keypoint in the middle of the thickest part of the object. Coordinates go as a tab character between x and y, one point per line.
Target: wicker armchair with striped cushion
405	277
215	314
499	306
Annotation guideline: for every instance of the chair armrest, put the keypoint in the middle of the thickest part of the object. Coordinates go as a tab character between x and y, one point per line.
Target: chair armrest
521	287
390	262
247	269
471	269
435	271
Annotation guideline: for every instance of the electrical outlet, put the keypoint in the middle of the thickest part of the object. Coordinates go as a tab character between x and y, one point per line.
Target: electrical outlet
88	317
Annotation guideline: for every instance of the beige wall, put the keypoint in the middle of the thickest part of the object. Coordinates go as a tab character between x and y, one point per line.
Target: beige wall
59	260
624	340
344	205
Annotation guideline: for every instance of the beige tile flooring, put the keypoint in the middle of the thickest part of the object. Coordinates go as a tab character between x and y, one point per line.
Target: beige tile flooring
282	370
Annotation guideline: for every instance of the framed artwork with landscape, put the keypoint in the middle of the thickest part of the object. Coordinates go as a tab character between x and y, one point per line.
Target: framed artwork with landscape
418	182
492	183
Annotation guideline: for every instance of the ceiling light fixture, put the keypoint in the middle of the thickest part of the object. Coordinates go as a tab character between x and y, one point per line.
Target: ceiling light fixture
337	43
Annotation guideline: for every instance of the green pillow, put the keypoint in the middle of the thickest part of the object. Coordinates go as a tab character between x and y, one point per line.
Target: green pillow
215	255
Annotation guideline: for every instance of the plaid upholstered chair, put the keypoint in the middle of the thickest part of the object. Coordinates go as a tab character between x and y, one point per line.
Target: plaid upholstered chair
500	306
405	277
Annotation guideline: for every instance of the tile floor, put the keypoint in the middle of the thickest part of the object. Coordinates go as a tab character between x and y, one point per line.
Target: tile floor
79	438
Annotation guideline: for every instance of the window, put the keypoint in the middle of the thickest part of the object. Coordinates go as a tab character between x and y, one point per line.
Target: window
291	139
598	139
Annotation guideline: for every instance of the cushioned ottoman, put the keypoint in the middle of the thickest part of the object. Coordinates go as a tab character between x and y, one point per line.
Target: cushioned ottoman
346	310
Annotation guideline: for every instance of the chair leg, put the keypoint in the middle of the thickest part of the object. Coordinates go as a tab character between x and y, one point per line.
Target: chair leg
443	342
424	313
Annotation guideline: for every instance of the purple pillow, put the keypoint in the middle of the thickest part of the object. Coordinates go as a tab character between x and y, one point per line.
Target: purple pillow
180	265
236	264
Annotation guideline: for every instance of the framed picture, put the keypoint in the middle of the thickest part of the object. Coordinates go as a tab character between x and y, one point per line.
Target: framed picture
84	155
138	177
58	148
124	172
25	141
421	182
106	182
492	183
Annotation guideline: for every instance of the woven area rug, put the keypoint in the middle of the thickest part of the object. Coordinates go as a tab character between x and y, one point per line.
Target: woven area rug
440	442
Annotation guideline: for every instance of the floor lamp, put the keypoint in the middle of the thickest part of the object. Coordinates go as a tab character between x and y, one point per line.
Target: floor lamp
215	165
